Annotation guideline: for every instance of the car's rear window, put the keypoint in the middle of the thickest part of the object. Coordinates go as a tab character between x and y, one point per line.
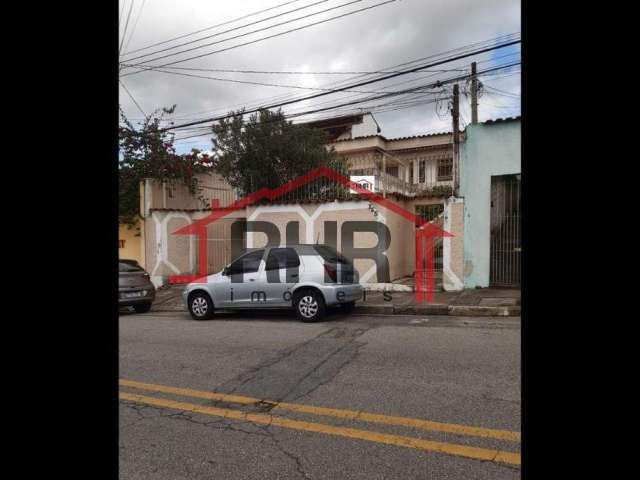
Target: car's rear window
331	255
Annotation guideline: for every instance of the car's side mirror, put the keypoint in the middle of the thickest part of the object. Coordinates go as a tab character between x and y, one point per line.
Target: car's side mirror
225	271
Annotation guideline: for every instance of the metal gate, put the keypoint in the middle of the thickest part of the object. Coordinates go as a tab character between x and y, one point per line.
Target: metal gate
433	213
505	247
218	245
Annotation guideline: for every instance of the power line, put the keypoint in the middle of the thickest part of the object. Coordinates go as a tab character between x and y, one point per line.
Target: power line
135	24
389	86
143	68
502	92
207	132
232	30
126	25
212	27
289	72
334	107
491	95
262	84
186	117
502	75
439	83
367	82
259	102
131	96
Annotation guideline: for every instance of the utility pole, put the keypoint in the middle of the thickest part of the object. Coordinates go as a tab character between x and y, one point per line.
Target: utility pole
474	94
455	115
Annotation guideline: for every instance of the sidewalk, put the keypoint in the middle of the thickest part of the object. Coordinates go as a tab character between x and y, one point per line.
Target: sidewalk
499	302
480	302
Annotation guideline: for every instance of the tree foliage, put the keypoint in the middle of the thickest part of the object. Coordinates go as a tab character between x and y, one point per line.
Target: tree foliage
267	150
148	152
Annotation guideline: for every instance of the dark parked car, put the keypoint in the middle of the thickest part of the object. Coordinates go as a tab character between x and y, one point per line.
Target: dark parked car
136	289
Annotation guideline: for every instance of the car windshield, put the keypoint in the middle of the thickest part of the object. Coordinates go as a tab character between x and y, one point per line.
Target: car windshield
129	267
246	263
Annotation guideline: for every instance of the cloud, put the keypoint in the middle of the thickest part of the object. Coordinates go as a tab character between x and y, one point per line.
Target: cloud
368	41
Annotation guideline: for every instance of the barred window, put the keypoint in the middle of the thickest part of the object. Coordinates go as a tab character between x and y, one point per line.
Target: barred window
429	212
410	172
445	169
393	171
422	165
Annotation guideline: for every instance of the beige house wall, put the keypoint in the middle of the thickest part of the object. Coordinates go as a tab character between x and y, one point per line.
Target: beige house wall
401	250
312	218
169	254
130	243
156	194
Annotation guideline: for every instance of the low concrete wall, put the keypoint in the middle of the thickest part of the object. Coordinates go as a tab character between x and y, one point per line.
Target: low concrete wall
169	254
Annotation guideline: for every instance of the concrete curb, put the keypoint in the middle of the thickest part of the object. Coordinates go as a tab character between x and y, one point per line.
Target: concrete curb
477	311
428	309
440	309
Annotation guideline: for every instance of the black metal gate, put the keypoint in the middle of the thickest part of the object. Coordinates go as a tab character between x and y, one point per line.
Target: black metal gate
505	247
433	213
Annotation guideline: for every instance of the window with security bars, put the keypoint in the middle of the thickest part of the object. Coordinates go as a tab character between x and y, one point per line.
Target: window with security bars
393	171
445	169
429	212
422	166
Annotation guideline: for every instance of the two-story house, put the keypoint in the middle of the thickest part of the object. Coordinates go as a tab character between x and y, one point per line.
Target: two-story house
418	165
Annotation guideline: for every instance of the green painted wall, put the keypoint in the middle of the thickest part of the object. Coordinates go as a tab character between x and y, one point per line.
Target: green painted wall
489	149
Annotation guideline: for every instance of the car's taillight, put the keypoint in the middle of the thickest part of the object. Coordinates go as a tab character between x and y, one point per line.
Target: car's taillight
331	271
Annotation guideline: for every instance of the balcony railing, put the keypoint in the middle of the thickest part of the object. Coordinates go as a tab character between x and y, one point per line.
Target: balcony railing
384	182
326	190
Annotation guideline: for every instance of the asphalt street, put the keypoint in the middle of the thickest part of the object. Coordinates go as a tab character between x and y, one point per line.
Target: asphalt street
263	396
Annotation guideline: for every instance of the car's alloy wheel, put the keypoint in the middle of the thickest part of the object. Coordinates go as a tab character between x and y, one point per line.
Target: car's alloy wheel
200	306
309	306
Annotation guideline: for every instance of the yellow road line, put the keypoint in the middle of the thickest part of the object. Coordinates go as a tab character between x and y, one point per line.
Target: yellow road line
334	412
397	440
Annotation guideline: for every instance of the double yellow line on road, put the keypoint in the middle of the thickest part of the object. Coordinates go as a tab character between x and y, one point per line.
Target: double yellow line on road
268	419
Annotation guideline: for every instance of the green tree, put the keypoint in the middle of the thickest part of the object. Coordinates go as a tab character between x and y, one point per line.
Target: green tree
267	150
148	152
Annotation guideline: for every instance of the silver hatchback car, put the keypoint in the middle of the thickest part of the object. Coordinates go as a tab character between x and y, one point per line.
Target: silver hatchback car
307	278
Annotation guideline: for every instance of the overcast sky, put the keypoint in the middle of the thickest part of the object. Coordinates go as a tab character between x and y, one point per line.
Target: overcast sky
371	40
